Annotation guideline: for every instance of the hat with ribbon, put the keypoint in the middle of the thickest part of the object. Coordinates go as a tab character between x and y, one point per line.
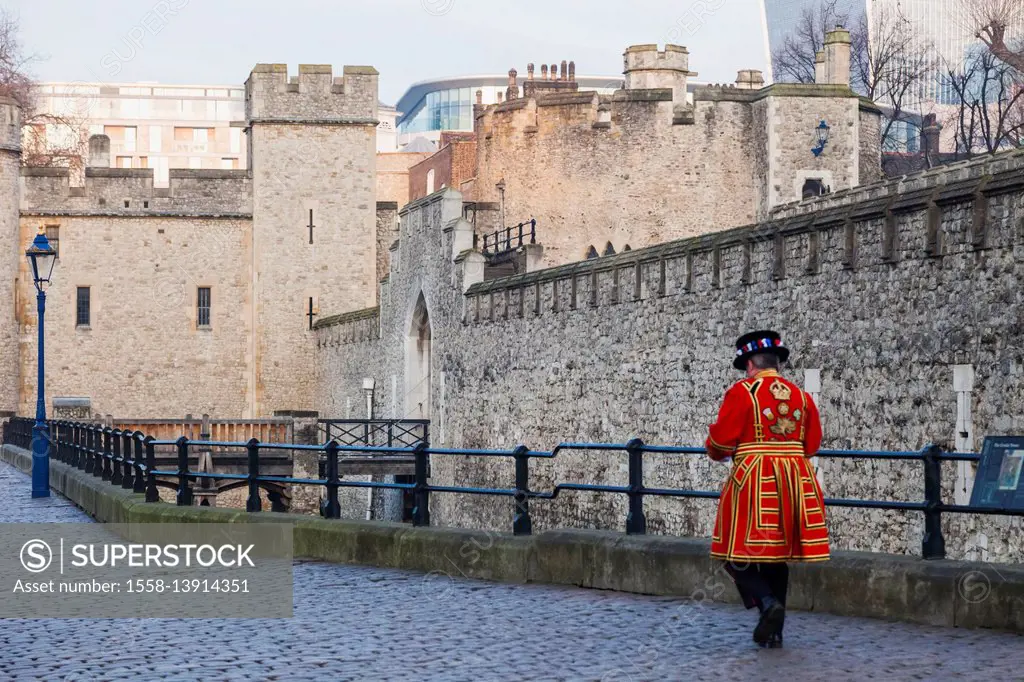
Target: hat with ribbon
765	341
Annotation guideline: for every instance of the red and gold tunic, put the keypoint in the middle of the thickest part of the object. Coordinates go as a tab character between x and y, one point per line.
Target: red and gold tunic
771	508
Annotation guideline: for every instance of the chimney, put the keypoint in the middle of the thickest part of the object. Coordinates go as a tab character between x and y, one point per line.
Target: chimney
512	92
819	66
837	56
529	71
572	71
543	72
563	71
930	131
99	151
554	72
749	79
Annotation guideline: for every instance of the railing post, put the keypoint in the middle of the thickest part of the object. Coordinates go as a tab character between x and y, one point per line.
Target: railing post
933	546
521	523
82	459
152	494
520	234
138	481
184	497
98	446
421	510
84	453
252	448
112	450
636	522
332	509
72	439
533	230
126	459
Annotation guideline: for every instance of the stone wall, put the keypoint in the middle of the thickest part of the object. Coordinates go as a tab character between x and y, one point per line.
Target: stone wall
10	160
142	354
130	192
641	168
880	291
313	144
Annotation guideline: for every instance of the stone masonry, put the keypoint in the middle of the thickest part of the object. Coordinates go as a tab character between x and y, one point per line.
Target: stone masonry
881	291
144	252
649	163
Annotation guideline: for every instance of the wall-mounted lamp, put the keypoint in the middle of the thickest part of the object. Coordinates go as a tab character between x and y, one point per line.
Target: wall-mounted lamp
822	134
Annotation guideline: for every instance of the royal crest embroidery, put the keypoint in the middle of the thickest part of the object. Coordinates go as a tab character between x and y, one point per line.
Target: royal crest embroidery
783	427
796	415
783	409
780	390
768	414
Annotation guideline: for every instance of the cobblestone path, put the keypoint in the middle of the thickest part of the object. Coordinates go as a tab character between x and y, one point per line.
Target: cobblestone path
357	623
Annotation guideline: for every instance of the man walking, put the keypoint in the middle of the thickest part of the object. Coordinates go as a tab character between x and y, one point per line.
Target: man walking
771	509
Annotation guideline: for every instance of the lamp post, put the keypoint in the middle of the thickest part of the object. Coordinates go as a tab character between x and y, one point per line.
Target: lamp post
41	257
821	134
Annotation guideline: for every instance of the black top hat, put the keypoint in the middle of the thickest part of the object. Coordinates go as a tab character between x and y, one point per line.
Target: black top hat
765	341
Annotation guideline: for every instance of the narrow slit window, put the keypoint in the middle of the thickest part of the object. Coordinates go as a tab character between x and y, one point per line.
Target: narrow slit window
82	307
311	226
203	307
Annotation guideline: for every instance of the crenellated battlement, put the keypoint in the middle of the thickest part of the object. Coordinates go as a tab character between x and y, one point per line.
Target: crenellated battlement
314	96
130	192
648	68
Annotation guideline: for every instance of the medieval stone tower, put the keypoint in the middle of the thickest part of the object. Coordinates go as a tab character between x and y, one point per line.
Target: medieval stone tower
312	145
10	165
647	68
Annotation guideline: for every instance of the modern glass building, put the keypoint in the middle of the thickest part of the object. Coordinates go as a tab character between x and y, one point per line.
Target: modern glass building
431	106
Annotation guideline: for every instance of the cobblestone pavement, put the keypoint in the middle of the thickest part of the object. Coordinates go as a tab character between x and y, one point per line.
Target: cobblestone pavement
357	623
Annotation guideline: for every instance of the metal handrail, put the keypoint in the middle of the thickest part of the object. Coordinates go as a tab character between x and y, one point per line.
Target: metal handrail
118	457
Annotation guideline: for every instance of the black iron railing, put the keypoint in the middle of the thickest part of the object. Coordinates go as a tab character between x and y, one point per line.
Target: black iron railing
95	450
510	239
403	433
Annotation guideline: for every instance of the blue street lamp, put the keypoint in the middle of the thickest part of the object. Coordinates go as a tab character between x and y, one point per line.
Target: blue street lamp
41	257
821	133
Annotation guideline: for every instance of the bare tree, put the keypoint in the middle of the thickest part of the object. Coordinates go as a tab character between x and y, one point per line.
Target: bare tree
49	138
989	104
893	68
793	61
989	21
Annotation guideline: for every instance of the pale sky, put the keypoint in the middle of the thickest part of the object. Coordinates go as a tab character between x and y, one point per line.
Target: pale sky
219	41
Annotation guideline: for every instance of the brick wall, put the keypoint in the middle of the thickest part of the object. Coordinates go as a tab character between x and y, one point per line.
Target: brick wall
452	165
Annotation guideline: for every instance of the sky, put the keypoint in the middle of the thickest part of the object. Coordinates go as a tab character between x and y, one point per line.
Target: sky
219	41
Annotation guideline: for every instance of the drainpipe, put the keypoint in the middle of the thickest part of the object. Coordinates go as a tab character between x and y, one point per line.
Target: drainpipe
368	385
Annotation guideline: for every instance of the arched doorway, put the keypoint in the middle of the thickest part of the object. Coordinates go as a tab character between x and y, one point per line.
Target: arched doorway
417	363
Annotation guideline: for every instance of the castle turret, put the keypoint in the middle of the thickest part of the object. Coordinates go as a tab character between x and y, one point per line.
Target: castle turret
10	168
312	143
648	68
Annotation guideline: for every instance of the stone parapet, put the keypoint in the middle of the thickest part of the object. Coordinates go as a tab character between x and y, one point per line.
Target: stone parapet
130	192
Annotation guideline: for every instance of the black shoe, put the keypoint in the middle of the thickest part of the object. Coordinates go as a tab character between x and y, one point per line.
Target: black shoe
773	615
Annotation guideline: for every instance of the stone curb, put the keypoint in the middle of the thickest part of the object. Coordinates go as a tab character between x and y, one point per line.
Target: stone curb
893	587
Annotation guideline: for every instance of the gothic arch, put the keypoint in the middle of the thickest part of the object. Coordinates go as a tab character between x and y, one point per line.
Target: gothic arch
418	362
